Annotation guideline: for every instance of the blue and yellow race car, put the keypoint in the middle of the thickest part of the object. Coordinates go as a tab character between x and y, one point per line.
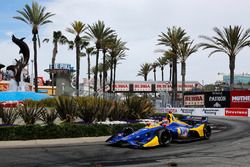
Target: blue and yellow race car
164	132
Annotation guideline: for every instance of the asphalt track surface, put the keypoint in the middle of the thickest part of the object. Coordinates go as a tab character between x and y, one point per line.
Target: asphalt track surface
230	147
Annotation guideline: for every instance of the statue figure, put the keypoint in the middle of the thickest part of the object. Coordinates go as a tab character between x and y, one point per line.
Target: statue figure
24	49
1	74
20	64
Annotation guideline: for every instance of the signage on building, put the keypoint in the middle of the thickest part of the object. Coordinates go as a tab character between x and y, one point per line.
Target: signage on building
61	66
240	99
220	99
238	112
146	87
121	87
194	100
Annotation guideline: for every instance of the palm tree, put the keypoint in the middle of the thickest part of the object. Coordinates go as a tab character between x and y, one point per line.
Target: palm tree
161	62
154	65
89	51
35	16
116	52
107	41
119	57
77	28
172	39
168	55
103	68
144	71
185	50
231	40
57	38
98	32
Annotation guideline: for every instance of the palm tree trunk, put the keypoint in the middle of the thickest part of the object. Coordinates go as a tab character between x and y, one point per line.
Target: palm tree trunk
96	70
104	72
111	75
231	67
154	74
89	72
183	74
53	66
155	79
114	73
77	69
146	78
174	81
34	39
88	67
100	76
170	71
162	73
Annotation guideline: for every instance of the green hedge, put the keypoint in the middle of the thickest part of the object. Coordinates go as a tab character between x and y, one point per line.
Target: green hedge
60	131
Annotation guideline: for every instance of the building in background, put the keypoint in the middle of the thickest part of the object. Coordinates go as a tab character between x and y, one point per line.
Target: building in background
243	78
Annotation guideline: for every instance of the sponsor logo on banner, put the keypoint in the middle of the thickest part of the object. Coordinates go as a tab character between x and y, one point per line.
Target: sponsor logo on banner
194	100
209	111
121	87
187	110
243	99
161	87
167	110
240	99
187	86
142	87
238	112
218	99
170	110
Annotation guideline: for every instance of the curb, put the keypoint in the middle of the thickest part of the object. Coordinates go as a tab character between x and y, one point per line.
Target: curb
50	142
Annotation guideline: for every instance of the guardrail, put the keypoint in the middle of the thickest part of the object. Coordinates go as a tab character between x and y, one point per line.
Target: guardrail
228	112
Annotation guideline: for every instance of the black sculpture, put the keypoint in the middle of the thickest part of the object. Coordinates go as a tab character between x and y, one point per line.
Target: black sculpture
20	64
24	49
1	66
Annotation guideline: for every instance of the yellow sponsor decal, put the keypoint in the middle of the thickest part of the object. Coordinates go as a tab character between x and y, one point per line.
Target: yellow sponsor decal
152	143
199	129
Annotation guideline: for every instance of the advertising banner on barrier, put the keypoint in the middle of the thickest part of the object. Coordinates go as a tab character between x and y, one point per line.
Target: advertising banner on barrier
201	111
194	100
161	87
186	111
237	112
232	112
218	99
147	87
240	99
121	87
212	112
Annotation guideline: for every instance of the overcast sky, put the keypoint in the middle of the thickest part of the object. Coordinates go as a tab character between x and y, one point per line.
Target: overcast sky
138	22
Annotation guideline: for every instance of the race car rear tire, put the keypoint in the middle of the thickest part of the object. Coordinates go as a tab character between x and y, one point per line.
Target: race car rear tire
127	131
207	131
165	137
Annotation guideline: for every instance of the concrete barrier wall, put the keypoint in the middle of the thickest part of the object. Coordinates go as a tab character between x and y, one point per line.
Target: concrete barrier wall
228	112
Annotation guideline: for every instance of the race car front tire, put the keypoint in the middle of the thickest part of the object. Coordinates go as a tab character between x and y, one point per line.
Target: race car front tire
207	131
165	137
